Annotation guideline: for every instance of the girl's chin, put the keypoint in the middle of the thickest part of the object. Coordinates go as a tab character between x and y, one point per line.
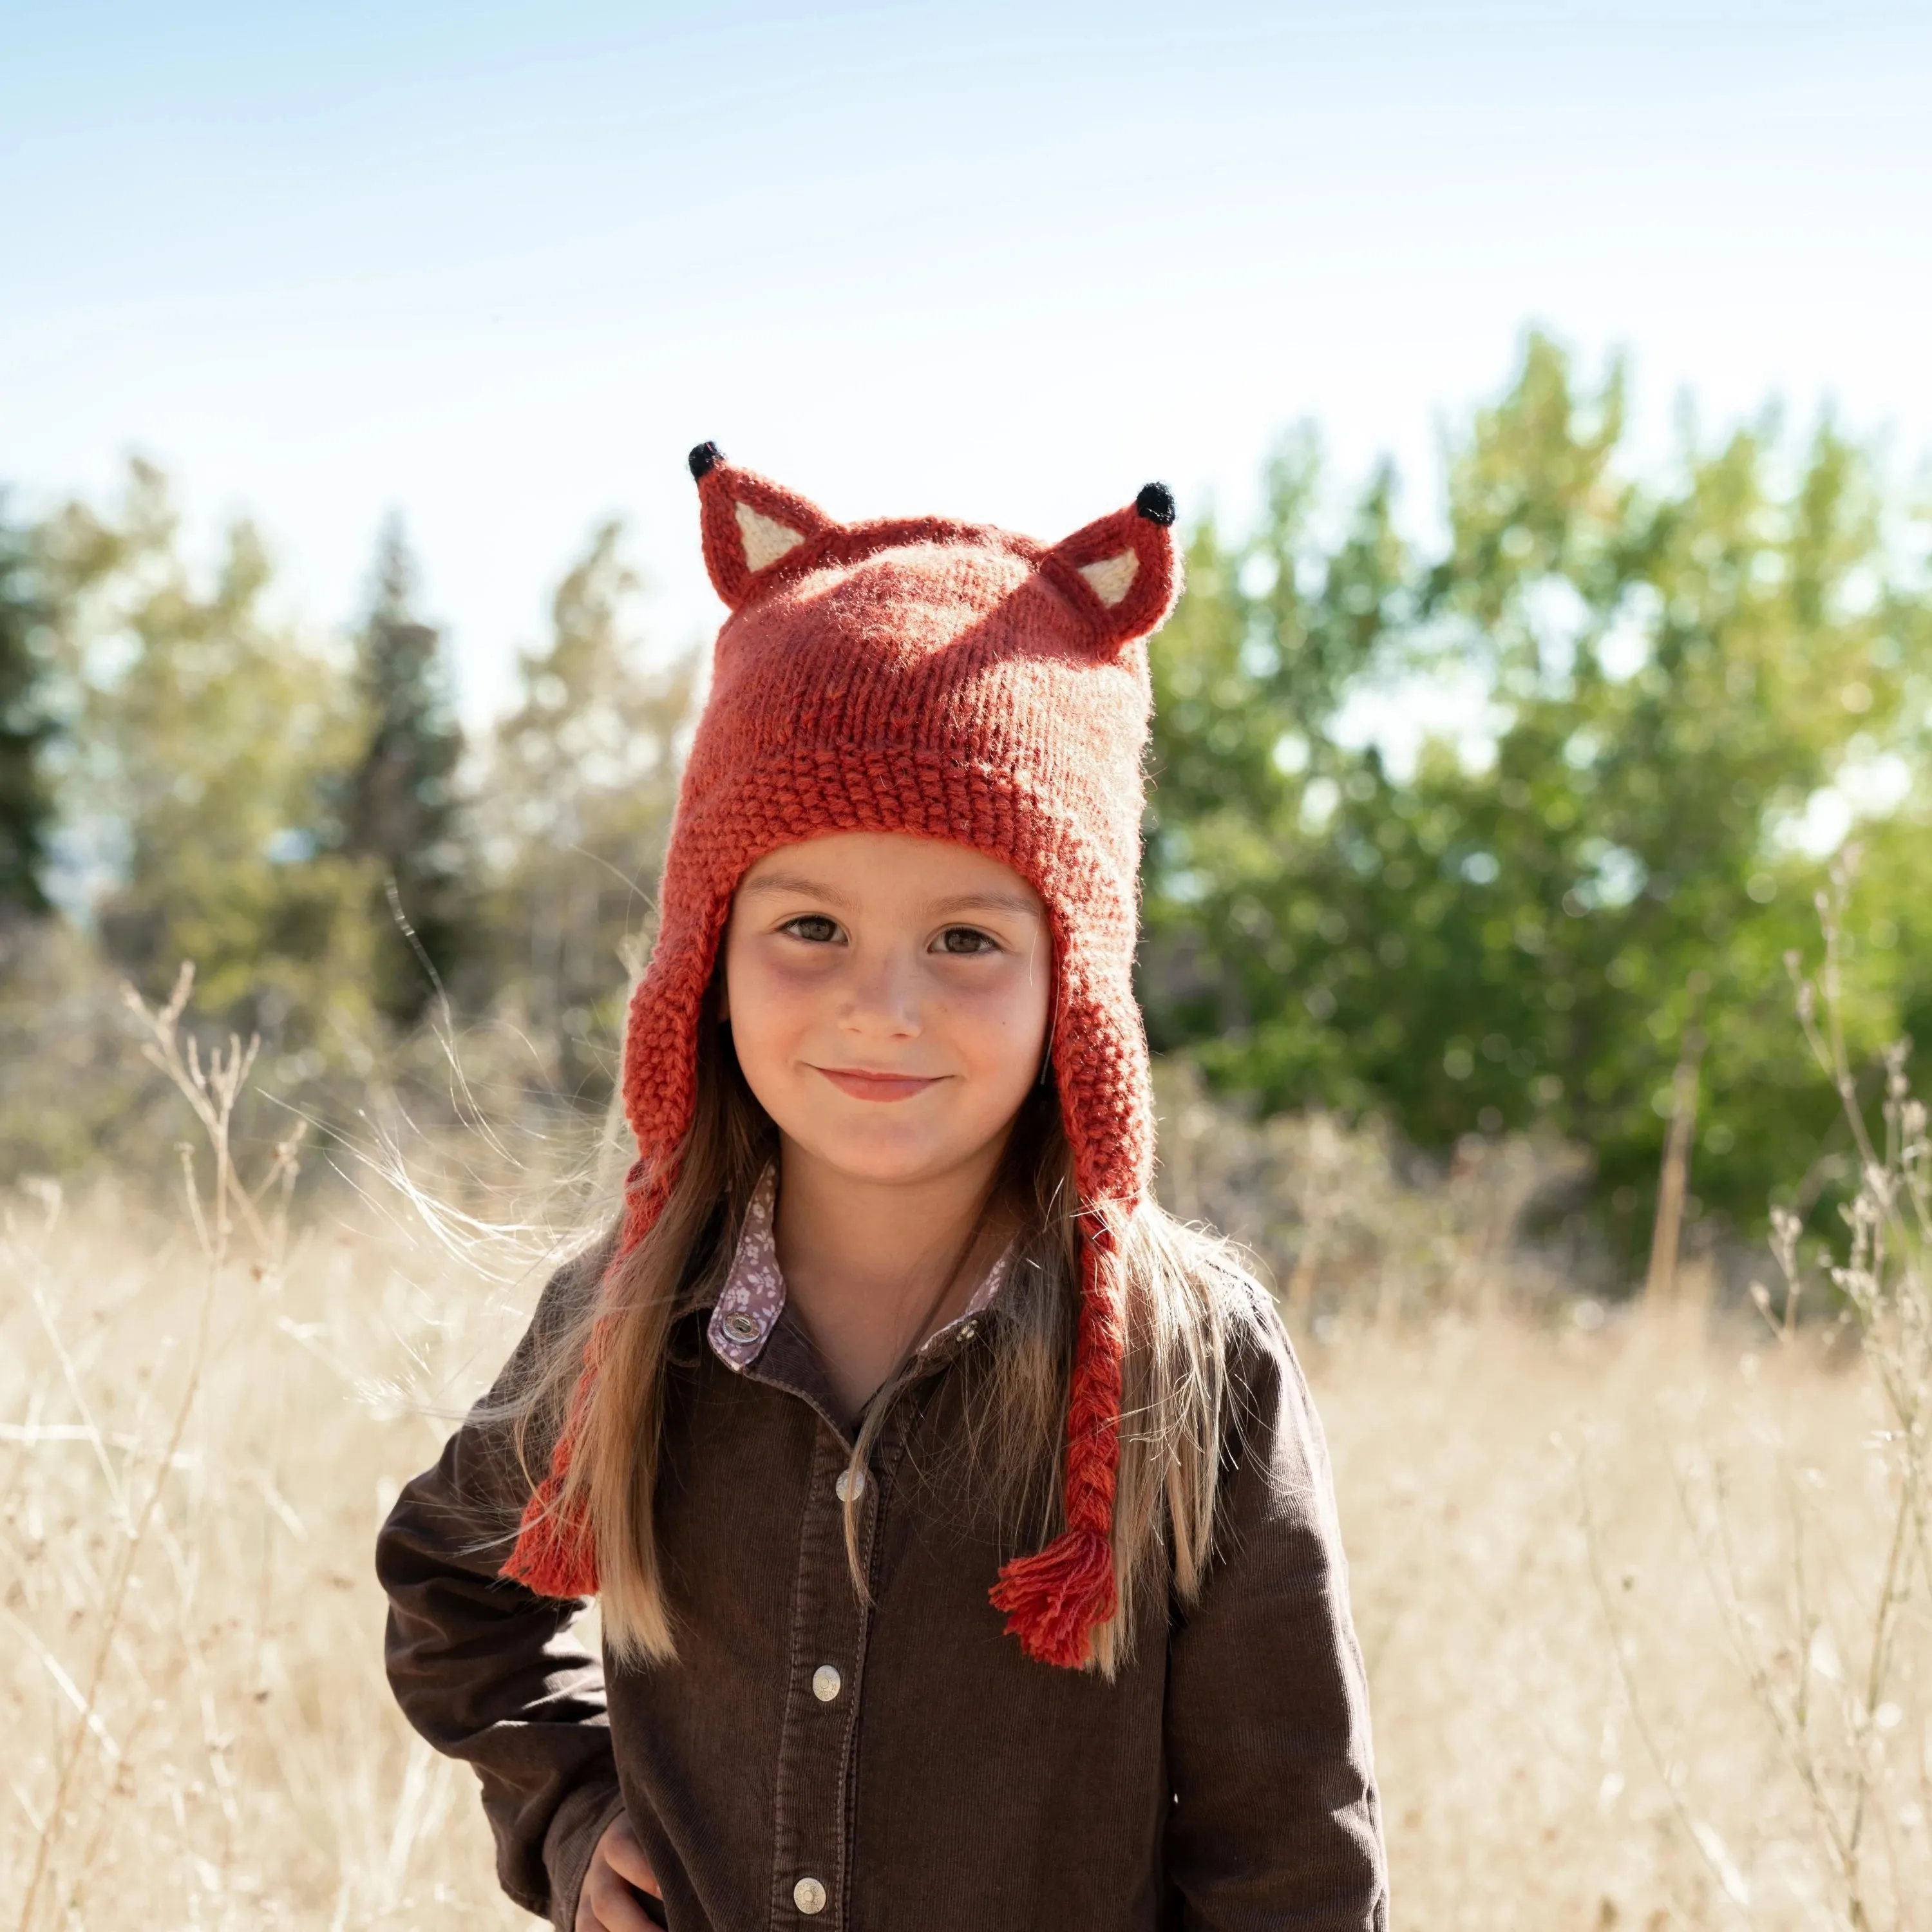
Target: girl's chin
879	1163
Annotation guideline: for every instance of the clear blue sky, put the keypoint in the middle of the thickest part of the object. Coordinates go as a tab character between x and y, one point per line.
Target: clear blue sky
498	266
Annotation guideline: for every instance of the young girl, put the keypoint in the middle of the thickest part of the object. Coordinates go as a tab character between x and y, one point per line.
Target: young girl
963	1530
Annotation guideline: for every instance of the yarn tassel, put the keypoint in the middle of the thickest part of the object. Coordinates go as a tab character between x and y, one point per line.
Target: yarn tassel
1054	1598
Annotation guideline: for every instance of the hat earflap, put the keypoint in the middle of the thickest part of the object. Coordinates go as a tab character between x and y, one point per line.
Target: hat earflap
556	1550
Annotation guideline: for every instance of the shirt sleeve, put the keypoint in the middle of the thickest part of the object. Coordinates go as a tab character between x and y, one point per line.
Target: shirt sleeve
1275	1820
486	1669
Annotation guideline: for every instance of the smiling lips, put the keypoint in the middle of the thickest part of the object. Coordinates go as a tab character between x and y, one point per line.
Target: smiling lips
876	1086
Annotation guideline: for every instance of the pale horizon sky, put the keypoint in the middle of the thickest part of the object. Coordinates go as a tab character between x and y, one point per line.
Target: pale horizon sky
495	268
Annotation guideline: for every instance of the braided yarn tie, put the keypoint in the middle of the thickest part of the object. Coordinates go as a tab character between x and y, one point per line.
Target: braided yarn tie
1055	1597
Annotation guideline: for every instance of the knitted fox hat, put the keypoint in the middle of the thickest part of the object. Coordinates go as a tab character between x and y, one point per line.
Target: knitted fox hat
956	682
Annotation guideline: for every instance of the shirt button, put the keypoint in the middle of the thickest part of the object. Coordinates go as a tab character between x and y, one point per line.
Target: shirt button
808	1895
742	1328
826	1683
966	1331
851	1482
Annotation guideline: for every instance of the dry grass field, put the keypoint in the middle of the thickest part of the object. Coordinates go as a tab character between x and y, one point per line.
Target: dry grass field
1618	1580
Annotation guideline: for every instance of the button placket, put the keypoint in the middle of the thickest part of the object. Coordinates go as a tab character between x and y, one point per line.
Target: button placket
816	1793
810	1846
892	1446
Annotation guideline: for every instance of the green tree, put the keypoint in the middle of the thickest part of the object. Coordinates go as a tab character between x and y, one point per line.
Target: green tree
207	734
401	812
1641	698
582	782
26	796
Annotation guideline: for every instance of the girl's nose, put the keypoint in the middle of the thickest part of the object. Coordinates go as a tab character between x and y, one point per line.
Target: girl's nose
881	991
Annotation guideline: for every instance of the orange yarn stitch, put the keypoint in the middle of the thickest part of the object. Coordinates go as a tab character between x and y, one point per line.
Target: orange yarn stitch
957	681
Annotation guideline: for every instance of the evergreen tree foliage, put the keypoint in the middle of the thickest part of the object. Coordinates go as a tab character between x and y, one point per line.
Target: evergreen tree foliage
26	799
401	812
1637	703
207	736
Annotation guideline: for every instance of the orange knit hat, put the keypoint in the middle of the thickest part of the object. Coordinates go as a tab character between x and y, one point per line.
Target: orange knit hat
960	682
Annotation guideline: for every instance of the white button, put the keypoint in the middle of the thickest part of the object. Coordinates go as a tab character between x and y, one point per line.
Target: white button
808	1895
851	1482
966	1330
826	1683
742	1328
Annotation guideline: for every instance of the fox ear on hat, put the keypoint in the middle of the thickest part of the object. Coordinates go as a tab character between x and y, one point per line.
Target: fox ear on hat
750	526
1124	569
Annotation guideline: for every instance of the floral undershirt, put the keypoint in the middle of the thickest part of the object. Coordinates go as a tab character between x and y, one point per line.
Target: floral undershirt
754	1294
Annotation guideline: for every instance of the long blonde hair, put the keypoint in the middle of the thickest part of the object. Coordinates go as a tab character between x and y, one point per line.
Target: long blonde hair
1177	1281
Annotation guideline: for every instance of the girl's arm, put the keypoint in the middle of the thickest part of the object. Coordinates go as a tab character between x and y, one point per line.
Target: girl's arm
1277	1820
484	1669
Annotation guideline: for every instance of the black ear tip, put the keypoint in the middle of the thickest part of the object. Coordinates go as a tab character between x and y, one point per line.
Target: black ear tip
1156	503
705	458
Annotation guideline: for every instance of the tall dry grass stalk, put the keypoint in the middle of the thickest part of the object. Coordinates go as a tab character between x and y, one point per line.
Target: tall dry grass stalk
202	1423
1819	1573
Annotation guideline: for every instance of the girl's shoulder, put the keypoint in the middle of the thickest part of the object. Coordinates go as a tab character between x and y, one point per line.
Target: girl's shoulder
574	1280
1246	1303
1267	1402
558	1322
1230	1300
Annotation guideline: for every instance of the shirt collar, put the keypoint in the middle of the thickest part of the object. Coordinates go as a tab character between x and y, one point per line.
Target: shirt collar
753	1296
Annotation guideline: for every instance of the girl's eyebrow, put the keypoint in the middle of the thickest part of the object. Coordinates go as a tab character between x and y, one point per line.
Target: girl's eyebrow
793	884
987	902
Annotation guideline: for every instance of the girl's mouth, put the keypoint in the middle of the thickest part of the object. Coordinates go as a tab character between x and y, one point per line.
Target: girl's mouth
864	1086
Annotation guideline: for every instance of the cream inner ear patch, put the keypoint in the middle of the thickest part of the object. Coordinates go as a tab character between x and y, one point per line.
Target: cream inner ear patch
766	540
1112	577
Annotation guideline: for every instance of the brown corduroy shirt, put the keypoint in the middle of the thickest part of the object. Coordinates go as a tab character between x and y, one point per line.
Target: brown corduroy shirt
811	1759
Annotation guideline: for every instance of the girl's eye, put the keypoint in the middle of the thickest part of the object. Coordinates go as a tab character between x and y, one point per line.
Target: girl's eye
969	939
812	925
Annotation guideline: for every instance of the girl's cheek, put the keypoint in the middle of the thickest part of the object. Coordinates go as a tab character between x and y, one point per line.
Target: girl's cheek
1003	995
1001	1026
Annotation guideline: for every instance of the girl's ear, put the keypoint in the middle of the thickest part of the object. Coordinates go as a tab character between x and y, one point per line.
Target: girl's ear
750	526
1125	569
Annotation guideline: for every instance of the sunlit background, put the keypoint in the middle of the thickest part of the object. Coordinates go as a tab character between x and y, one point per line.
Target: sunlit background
1538	895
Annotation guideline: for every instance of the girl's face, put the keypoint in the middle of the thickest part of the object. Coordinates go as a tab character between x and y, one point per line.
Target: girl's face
888	998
